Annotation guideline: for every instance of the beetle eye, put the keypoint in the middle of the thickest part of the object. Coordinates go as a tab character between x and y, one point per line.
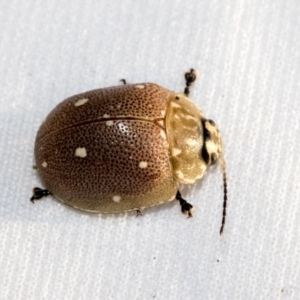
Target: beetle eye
213	158
212	122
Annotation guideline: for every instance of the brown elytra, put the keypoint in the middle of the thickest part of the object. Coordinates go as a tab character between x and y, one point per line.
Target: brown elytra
125	164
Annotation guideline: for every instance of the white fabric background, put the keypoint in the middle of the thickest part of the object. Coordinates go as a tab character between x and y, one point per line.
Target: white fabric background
247	54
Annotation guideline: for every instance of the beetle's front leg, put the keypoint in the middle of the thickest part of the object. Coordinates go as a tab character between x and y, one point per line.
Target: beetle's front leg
190	77
186	207
39	193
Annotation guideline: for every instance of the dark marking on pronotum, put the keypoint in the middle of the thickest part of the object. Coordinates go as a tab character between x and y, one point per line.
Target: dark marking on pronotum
205	154
206	137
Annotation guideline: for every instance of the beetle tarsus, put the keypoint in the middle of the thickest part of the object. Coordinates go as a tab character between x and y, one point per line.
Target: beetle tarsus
39	193
186	208
138	213
123	81
190	214
190	77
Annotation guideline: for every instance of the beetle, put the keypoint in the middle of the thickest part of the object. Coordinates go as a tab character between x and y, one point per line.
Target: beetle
126	148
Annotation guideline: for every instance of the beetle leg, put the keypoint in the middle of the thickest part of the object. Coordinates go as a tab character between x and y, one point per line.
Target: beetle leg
186	207
138	213
123	81
190	77
39	193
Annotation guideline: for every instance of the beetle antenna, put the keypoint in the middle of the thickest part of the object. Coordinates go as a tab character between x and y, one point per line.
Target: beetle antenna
223	166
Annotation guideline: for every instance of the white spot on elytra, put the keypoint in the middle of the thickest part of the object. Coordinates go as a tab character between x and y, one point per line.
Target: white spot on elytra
44	164
175	151
116	198
80	152
163	112
161	123
143	164
163	134
106	116
109	123
139	86
81	102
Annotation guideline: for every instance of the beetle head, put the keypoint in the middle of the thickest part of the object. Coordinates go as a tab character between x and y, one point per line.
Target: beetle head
212	146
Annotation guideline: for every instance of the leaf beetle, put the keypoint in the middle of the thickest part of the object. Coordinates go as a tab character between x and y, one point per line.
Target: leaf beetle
126	148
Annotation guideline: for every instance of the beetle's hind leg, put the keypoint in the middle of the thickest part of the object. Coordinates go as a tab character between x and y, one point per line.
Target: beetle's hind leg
39	193
123	81
186	208
138	213
190	77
